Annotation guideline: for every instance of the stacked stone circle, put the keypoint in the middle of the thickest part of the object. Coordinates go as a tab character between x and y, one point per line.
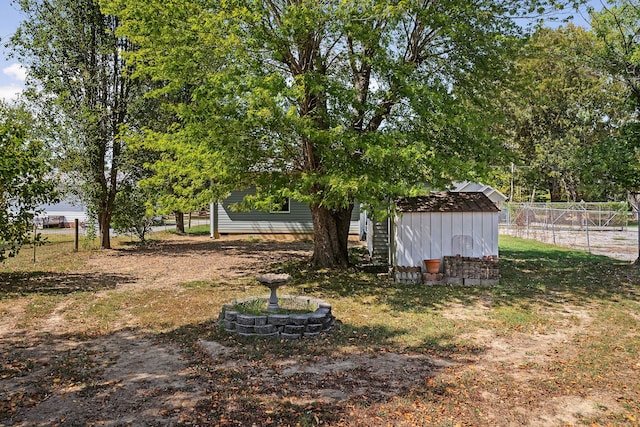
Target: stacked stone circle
289	326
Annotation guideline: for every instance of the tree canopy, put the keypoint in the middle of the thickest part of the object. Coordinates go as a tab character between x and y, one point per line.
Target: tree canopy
561	112
25	179
331	102
617	27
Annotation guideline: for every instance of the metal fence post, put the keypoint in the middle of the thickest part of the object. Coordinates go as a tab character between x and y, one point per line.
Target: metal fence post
586	226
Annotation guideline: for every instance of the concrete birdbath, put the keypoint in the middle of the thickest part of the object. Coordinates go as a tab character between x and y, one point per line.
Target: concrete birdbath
273	282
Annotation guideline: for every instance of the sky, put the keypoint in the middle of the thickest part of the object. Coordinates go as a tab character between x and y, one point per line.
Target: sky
12	74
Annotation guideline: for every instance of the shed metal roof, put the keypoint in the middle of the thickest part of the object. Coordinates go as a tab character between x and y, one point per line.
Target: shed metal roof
447	202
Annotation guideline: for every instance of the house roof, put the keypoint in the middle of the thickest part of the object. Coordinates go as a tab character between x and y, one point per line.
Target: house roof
492	193
447	202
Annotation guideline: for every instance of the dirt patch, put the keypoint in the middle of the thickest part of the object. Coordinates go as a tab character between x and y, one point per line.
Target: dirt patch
329	379
527	359
121	379
166	263
570	410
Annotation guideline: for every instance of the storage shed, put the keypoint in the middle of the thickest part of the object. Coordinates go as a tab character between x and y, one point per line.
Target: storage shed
445	224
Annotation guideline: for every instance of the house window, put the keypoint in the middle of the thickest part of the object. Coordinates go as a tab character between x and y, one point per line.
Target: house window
284	207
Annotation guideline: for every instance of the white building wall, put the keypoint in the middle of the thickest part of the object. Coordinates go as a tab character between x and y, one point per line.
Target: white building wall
428	235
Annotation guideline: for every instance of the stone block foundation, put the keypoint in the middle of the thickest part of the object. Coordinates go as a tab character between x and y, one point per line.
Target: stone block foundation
278	325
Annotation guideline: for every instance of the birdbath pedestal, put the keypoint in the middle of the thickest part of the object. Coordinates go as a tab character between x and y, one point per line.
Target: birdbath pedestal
273	282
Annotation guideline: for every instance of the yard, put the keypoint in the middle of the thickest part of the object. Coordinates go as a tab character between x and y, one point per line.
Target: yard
129	337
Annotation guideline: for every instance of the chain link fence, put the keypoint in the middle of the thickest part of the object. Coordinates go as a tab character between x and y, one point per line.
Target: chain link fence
571	216
579	225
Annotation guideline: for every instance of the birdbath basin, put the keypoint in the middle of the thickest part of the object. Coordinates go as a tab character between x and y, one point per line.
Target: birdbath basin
273	282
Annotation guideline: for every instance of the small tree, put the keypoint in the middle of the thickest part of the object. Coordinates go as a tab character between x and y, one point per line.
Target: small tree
133	213
25	181
184	176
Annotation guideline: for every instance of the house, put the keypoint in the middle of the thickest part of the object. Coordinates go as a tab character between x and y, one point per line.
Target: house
61	215
493	194
292	217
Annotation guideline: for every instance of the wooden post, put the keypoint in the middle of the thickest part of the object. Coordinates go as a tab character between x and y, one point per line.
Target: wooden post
215	233
76	239
35	230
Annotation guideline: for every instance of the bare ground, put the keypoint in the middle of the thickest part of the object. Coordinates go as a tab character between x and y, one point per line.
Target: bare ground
54	376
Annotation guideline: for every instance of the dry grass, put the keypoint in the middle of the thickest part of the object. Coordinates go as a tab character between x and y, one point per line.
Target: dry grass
556	343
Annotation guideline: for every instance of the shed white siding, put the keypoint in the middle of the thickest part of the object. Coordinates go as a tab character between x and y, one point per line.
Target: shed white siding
428	235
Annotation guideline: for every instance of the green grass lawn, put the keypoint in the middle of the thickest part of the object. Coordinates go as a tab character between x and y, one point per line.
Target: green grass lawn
198	230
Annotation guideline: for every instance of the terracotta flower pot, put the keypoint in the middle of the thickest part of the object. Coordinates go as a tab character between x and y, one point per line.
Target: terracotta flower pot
432	265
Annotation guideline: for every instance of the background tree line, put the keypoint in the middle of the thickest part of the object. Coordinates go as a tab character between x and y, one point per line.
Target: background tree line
154	107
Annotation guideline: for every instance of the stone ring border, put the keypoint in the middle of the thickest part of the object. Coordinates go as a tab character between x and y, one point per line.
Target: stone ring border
288	326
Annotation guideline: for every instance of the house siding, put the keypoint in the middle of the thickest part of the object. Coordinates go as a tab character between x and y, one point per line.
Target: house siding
297	221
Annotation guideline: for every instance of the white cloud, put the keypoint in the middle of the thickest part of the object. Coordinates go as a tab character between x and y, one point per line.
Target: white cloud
16	71
10	92
12	81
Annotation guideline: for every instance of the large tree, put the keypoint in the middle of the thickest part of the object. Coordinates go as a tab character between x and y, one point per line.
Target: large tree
183	175
25	178
617	26
332	102
78	77
560	108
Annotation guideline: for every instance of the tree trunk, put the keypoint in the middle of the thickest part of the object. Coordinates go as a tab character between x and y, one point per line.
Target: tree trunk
555	191
330	237
104	222
179	222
